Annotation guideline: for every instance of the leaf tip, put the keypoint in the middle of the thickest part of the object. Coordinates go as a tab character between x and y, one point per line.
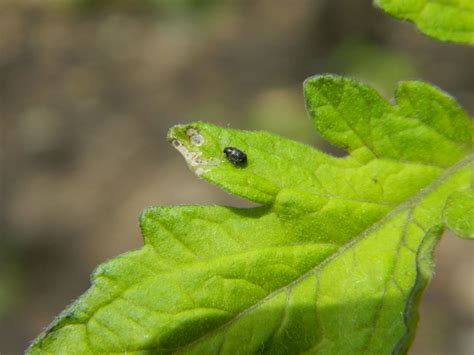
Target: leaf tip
190	141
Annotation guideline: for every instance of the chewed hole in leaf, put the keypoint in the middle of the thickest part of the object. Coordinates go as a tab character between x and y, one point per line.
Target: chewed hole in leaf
193	158
194	136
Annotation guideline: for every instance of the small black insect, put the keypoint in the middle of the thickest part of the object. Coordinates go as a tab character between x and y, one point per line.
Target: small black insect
235	156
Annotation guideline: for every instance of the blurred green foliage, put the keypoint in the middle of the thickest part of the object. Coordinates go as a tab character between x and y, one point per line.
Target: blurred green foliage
283	109
369	62
166	6
11	282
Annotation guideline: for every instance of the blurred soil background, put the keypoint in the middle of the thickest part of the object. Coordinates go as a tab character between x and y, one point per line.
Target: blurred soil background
88	90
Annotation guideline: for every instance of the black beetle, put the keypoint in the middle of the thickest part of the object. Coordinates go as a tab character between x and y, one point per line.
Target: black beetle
235	156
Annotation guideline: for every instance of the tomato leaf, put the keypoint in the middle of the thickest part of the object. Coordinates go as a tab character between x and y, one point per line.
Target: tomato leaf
448	20
335	258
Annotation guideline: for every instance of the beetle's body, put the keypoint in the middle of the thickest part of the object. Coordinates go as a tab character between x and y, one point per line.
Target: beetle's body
235	156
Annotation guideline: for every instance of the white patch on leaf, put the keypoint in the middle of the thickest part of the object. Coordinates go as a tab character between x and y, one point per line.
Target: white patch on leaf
193	158
195	137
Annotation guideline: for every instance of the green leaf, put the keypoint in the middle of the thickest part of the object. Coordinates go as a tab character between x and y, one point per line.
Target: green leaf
446	20
333	261
459	213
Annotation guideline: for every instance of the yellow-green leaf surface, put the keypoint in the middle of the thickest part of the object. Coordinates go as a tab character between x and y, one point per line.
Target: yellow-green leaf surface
334	259
447	20
459	213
